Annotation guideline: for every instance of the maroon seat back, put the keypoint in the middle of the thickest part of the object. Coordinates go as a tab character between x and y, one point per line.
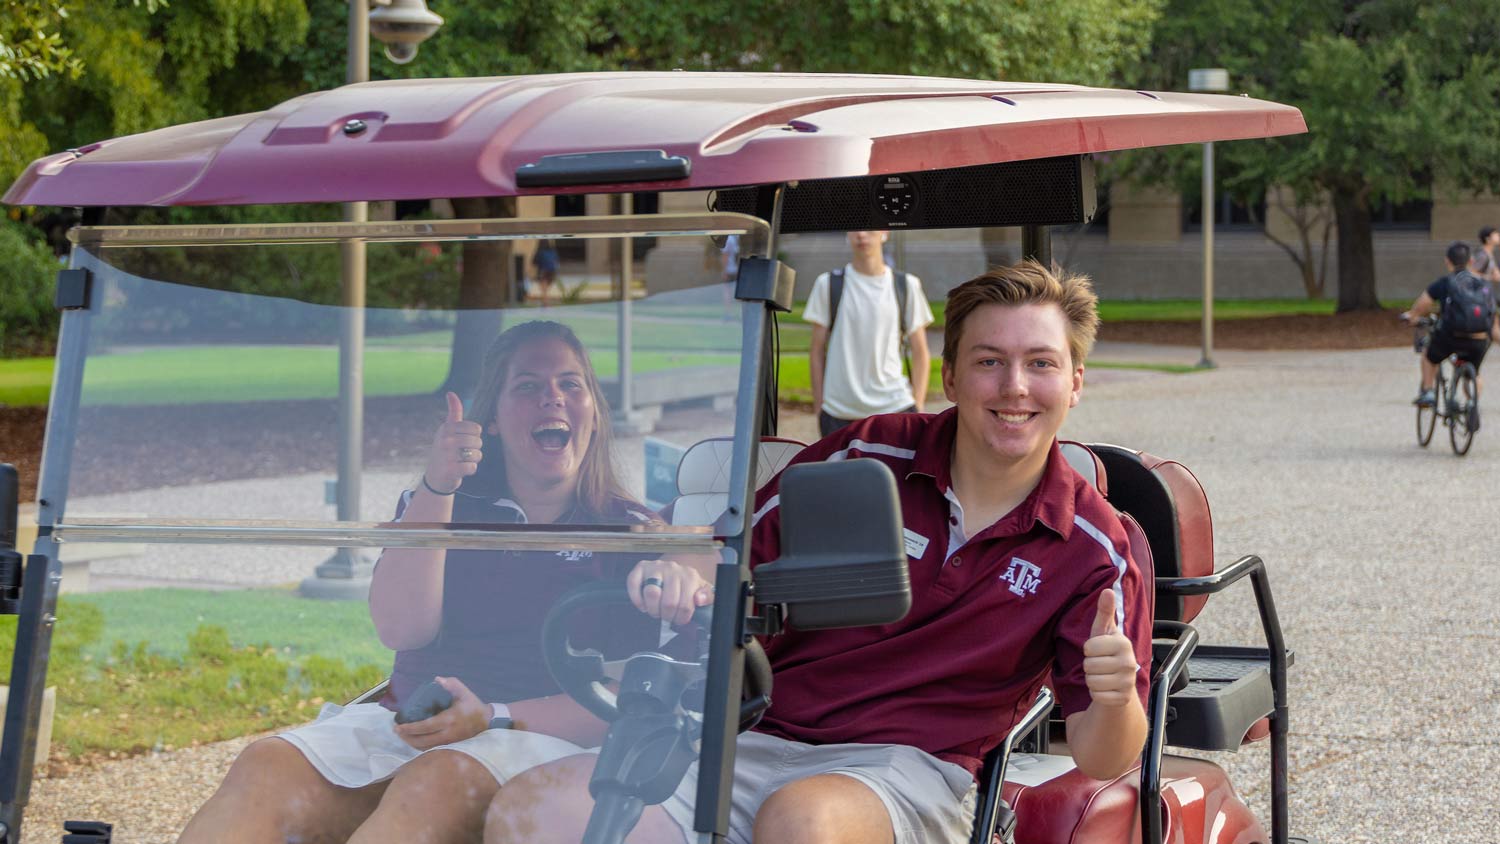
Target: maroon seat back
1168	502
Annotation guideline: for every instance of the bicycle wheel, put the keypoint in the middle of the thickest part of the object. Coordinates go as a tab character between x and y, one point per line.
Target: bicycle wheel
1462	407
1427	419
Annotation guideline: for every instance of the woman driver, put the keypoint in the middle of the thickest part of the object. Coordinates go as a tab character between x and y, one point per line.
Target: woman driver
472	619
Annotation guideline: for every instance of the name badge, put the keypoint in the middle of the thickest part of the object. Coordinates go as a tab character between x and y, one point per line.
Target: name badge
916	543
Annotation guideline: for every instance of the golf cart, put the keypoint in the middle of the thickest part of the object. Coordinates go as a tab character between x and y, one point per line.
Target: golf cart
220	388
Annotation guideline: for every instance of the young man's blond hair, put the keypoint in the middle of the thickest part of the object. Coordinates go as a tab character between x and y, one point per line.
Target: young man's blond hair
1026	283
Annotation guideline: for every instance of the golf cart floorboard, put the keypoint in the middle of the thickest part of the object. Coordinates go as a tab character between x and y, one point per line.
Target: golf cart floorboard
1228	690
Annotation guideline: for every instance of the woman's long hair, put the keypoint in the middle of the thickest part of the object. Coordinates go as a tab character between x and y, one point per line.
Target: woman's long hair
598	482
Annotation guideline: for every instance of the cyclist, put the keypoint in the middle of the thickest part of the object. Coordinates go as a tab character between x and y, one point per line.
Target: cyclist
1466	321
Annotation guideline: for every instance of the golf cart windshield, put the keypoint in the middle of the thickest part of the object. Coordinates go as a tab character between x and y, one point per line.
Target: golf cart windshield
222	380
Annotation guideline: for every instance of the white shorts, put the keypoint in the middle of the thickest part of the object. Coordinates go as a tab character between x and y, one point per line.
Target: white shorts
929	801
354	746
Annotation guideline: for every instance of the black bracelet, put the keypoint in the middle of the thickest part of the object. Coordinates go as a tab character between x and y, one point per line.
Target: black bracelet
433	491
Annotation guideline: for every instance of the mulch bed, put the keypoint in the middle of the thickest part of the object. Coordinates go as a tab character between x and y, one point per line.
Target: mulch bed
21	444
1358	330
142	447
301	439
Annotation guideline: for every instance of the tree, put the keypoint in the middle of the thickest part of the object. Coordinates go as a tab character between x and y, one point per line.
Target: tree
144	64
989	39
1399	96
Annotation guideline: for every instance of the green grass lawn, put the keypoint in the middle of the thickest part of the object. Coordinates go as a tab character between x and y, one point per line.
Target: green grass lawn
1190	310
266	373
666	336
163	668
796	335
794	384
25	382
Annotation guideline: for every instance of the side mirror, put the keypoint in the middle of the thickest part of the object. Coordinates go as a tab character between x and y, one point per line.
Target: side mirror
843	559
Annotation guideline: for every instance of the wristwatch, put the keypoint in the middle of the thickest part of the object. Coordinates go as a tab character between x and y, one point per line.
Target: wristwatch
500	717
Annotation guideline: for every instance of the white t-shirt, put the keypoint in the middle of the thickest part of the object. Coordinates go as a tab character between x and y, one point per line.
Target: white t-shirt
863	376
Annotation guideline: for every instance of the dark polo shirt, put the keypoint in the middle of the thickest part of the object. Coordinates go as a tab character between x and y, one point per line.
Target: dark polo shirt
494	603
995	608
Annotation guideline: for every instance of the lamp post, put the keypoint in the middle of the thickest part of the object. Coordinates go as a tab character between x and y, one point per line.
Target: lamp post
1208	79
401	25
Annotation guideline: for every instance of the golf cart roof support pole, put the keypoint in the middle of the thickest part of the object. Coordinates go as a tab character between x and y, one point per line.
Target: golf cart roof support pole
1036	244
28	682
627	256
43	573
1208	257
726	666
1185	640
1270	623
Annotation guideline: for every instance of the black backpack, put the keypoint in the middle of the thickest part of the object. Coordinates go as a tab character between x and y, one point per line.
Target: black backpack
1469	307
898	283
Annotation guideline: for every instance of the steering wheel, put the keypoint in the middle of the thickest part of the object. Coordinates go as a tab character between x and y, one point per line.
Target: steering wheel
580	673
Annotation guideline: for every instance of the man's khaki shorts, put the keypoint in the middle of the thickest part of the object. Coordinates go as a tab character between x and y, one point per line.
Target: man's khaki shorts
929	801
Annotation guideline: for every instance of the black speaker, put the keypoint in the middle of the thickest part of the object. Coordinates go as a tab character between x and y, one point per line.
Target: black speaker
1039	192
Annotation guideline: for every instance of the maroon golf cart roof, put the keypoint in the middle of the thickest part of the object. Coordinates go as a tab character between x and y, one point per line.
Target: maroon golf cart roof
429	138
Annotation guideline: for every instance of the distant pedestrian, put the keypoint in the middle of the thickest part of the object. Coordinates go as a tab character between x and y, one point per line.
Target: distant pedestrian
865	317
546	263
1485	263
729	265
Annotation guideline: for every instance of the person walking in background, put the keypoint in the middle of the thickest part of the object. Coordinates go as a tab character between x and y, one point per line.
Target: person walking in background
865	316
546	263
1485	263
729	267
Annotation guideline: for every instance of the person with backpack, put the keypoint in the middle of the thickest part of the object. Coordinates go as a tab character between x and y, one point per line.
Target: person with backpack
867	319
1485	264
1466	320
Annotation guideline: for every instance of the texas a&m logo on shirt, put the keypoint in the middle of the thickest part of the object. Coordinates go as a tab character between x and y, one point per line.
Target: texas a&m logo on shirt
1022	576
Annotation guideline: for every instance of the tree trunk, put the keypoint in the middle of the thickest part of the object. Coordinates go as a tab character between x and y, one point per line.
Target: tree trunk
1351	208
487	284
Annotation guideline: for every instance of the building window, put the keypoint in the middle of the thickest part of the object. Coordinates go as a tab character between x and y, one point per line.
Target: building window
1413	214
1230	213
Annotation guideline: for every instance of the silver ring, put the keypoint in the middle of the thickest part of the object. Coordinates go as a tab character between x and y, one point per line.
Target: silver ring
650	581
466	455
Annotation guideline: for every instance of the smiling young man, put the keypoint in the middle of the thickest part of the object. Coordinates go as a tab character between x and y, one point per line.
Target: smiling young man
1020	571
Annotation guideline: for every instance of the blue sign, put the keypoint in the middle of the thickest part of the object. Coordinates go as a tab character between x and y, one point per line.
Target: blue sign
661	471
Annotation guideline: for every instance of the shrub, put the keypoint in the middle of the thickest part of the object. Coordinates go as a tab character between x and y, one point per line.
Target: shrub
28	320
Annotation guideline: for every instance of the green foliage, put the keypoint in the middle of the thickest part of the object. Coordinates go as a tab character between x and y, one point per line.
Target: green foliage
28	321
30	45
1401	97
1083	41
144	65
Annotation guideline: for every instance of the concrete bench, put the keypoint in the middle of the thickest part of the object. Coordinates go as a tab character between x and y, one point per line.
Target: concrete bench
650	392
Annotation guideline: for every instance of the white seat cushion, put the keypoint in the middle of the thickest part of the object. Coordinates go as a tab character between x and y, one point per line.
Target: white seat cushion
1085	463
703	476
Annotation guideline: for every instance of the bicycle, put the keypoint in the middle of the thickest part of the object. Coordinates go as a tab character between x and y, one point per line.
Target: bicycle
1456	395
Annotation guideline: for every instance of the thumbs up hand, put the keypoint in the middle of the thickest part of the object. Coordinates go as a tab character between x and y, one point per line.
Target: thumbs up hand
456	449
1109	665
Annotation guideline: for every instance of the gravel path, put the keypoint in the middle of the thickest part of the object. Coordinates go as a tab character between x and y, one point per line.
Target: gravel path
1310	461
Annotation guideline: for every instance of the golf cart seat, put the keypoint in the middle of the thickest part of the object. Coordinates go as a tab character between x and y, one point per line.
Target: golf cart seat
1228	695
703	477
1224	701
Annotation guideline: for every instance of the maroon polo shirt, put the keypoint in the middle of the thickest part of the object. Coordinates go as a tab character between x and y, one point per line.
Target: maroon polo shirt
995	608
